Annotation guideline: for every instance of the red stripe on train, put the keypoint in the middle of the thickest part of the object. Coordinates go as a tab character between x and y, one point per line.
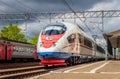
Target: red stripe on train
48	41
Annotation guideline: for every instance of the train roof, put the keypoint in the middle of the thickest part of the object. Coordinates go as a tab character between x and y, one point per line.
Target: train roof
81	31
5	39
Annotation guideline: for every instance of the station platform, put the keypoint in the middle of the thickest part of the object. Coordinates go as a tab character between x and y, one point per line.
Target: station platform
97	70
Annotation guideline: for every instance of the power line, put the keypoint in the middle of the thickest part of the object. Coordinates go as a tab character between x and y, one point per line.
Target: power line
28	7
101	22
73	5
84	20
76	14
2	11
10	6
21	6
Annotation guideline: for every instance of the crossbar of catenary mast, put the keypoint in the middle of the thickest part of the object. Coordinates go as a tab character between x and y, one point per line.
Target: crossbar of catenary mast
60	15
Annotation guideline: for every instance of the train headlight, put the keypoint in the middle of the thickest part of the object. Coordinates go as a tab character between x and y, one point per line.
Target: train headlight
54	45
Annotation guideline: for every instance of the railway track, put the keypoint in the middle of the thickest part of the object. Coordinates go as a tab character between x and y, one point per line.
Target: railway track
25	72
22	70
21	73
17	65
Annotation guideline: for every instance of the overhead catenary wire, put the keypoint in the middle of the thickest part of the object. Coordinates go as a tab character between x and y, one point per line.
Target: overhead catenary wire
101	22
28	7
1	10
8	5
101	30
76	14
24	8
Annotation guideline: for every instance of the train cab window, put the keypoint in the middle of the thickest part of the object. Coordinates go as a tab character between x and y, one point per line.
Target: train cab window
54	30
71	38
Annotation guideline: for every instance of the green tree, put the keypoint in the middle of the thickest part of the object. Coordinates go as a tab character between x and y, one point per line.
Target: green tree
118	49
12	32
34	40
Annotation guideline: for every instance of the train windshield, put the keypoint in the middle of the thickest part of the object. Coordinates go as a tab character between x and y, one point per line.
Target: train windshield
54	30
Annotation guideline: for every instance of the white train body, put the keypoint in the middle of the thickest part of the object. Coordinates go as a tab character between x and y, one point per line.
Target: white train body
64	42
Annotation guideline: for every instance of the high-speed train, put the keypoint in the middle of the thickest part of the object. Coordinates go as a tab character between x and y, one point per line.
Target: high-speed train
66	44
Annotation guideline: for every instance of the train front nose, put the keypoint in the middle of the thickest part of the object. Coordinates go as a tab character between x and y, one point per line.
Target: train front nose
51	34
50	37
48	41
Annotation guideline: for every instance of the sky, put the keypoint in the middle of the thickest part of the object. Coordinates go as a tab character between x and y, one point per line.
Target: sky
10	6
35	26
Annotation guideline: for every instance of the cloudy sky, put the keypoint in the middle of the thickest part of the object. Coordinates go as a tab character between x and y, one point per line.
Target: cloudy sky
34	27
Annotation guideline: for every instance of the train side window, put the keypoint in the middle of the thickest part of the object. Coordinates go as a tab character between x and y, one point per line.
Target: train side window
1	48
71	38
22	49
32	50
87	42
80	38
100	49
15	49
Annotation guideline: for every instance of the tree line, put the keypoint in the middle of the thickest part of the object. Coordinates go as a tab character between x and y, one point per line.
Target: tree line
13	32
